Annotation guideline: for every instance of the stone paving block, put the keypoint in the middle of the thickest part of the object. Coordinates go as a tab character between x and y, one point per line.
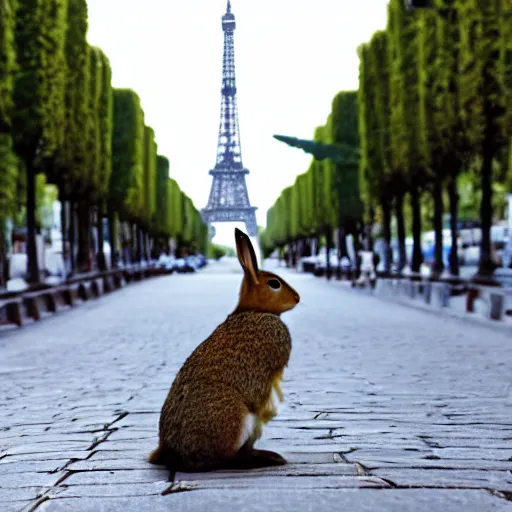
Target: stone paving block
138	420
102	453
106	491
92	464
117	477
16	506
501	480
33	479
19	494
474	453
281	482
423	463
307	500
9	467
386	457
290	444
289	470
131	434
144	446
44	447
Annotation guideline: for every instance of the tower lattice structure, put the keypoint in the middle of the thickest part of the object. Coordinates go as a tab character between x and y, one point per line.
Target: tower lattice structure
229	199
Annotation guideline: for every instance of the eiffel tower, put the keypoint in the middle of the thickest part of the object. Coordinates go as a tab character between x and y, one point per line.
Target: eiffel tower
229	199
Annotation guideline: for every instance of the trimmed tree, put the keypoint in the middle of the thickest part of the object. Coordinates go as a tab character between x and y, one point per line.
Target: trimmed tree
405	141
105	125
127	177
38	116
8	161
348	208
483	101
69	167
162	227
150	163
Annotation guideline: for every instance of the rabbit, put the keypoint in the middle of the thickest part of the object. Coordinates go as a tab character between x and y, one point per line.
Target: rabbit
229	387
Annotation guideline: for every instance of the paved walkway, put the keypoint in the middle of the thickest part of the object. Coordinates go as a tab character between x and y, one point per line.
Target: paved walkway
387	408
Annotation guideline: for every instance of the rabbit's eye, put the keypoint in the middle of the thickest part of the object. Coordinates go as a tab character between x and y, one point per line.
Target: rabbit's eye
274	284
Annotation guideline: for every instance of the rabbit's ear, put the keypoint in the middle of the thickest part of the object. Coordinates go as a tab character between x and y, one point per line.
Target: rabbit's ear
246	255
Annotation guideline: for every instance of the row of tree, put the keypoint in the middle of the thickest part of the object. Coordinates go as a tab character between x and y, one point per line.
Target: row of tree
434	105
60	117
327	196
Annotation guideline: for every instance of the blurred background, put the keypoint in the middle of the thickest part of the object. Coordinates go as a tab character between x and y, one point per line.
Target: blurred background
109	116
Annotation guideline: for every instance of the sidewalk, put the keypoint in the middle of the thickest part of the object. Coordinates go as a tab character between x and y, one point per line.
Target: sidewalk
387	408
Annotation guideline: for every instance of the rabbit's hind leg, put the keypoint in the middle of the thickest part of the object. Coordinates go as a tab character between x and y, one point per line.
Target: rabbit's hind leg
250	458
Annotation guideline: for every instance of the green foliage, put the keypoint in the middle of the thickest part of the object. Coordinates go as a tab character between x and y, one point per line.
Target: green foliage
482	80
71	169
91	182
150	163
8	162
175	210
405	135
38	116
327	195
105	122
46	195
127	178
219	251
162	226
7	62
345	183
8	178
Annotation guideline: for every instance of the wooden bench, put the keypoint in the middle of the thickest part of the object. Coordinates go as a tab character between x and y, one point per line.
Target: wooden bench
37	301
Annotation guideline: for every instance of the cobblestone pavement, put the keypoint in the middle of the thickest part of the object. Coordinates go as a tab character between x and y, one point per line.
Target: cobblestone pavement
387	408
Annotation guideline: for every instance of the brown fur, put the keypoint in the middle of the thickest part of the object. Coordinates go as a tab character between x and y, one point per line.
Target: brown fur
230	375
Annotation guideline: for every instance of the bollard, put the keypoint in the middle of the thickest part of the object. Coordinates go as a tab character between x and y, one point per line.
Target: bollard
443	294
427	292
472	295
497	301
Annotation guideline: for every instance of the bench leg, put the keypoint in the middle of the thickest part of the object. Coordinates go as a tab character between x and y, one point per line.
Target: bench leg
82	293
14	314
33	308
51	303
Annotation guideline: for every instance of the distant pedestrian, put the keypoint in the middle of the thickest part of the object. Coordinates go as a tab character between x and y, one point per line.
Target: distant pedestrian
367	269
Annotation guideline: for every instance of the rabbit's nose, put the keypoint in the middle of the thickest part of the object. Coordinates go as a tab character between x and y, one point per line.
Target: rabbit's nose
297	298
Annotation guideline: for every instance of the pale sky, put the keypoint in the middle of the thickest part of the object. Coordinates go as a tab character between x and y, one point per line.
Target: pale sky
292	57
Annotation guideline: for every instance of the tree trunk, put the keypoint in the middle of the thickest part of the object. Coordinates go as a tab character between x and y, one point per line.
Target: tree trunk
400	225
386	234
486	265
112	237
33	276
356	235
140	243
3	256
102	263
328	247
417	254
149	247
454	213
84	237
64	227
72	237
438	227
342	248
